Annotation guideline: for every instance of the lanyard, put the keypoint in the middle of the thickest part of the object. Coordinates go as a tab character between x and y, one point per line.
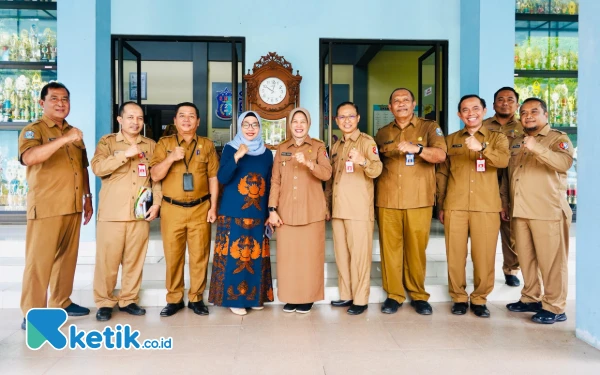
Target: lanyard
191	154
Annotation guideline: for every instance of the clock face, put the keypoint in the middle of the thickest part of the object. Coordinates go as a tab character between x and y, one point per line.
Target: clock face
272	90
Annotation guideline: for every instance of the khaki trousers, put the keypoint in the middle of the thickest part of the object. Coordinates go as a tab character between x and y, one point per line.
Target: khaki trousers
483	228
119	243
353	246
51	251
403	237
180	226
510	265
544	251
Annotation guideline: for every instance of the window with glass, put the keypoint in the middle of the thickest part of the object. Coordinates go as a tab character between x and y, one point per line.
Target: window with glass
546	63
28	60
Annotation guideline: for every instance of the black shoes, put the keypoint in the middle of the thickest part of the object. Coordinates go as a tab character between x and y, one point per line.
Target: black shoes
172	308
459	308
524	307
75	310
132	309
512	280
357	309
104	314
290	307
422	307
480	310
199	307
342	303
546	317
304	308
390	306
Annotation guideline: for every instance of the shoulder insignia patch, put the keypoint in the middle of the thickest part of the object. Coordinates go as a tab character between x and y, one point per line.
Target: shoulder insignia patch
438	131
29	134
563	145
374	148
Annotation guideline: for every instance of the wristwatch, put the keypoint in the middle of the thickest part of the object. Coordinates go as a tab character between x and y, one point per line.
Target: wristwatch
272	209
420	148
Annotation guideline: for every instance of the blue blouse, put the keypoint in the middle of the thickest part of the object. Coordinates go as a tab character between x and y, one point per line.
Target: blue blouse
247	184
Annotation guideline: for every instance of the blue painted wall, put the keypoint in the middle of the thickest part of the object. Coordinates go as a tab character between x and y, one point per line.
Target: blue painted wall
588	250
84	67
293	28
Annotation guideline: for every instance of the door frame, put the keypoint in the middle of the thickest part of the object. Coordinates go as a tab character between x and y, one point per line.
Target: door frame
329	42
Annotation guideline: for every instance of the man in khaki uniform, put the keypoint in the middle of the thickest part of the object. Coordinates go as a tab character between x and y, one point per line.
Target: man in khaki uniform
409	148
56	161
121	161
506	103
537	170
469	201
187	166
350	193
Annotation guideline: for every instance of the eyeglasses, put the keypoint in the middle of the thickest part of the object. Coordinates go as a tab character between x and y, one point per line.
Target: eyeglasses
254	125
343	118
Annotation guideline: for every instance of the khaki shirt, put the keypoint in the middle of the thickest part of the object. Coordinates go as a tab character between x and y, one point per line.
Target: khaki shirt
296	191
203	164
459	186
401	186
352	194
511	130
56	185
538	178
120	178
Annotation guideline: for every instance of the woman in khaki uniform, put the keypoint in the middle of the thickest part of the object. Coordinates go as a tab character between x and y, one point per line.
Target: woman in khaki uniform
297	209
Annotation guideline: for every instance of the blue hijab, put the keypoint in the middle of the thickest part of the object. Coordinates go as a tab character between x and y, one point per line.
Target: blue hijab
255	146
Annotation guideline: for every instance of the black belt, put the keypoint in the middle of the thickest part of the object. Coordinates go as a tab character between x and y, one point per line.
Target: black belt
186	204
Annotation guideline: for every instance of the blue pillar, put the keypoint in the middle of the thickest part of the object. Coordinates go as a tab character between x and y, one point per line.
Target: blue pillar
588	153
487	39
84	67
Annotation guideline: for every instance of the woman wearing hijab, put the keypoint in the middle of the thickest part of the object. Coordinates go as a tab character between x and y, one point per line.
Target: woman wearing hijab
297	208
241	271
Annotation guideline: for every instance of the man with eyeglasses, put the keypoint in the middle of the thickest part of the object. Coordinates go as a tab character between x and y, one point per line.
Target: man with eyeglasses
506	103
409	148
349	193
187	166
59	192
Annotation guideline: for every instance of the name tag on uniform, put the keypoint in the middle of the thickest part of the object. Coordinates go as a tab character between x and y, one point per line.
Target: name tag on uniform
286	154
349	167
480	165
410	159
142	171
457	145
388	142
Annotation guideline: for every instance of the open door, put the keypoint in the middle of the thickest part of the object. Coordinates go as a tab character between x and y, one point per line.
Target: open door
429	84
131	85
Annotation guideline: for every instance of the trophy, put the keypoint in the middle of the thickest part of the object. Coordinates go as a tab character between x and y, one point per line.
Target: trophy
14	47
555	115
7	104
21	86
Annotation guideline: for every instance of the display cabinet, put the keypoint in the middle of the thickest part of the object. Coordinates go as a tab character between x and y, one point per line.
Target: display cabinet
28	60
546	63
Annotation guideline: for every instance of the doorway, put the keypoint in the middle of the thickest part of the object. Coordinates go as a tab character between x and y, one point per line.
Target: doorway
159	72
366	71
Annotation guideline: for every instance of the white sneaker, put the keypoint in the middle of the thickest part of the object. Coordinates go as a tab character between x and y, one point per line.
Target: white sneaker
258	308
238	311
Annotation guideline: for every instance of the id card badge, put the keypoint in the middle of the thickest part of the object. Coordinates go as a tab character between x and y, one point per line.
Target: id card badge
142	171
410	159
349	167
188	182
480	165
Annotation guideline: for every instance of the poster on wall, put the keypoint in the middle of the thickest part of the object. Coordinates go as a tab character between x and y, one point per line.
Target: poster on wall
133	82
222	100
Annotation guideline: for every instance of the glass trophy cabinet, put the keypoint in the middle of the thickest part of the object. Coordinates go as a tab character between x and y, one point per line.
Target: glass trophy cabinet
28	60
546	62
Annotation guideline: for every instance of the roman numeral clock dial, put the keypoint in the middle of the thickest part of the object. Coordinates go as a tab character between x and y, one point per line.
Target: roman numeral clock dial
272	90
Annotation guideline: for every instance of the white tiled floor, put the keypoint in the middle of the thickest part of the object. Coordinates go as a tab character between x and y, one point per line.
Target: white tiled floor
327	341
